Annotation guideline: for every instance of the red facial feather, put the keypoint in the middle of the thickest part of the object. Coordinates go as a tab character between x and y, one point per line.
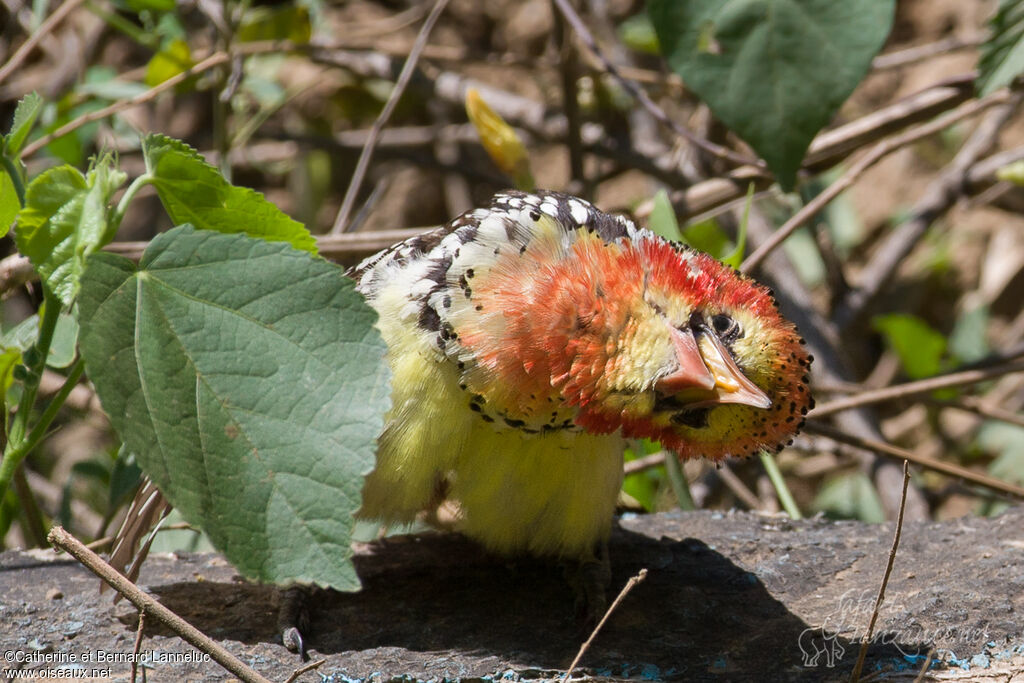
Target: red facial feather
561	319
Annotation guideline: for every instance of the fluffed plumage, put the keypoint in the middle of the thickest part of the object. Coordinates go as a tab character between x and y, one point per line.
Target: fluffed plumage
528	340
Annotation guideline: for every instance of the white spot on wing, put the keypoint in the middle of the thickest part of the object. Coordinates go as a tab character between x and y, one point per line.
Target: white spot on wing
578	211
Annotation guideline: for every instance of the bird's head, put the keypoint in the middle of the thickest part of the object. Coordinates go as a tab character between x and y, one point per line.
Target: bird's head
586	320
677	347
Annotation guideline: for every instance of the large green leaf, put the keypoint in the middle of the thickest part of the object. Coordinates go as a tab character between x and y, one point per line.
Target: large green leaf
1002	55
194	192
249	380
66	217
774	71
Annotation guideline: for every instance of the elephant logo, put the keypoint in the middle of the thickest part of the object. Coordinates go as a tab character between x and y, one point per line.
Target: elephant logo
815	642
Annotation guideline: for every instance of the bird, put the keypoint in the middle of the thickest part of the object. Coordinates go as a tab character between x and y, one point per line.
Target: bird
530	340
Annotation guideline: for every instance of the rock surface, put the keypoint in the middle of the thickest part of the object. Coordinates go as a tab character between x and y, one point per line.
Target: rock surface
728	597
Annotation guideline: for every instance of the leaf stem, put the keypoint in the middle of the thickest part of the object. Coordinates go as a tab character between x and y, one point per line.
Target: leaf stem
16	180
17	445
126	198
785	497
117	22
680	486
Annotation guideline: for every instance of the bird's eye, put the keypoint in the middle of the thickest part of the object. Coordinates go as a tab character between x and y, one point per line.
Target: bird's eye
727	329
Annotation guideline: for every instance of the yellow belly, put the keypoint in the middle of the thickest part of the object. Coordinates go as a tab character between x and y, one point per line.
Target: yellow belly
551	493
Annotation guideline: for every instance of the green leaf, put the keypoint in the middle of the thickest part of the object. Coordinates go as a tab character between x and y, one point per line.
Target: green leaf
735	257
708	236
1013	173
64	220
287	22
25	116
1002	55
663	220
774	71
62	347
919	347
969	339
125	476
850	496
194	192
155	5
8	359
1008	441
172	59
637	33
249	380
9	205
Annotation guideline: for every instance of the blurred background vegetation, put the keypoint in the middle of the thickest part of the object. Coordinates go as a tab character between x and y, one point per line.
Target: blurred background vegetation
916	270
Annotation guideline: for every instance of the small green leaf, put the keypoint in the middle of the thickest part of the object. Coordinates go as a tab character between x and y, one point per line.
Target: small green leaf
1002	55
62	347
154	5
249	380
968	341
637	33
774	71
1008	442
8	359
174	58
9	205
663	220
919	347
850	496
194	192
287	22
708	236
125	476
24	118
1013	173
64	220
735	257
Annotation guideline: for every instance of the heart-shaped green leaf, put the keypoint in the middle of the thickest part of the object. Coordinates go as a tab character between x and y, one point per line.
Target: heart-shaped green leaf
249	380
774	71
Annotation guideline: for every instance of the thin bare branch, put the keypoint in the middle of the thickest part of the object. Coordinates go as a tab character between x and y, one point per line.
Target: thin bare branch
876	154
866	642
65	541
924	386
29	45
887	449
633	581
641	96
940	195
121	105
341	221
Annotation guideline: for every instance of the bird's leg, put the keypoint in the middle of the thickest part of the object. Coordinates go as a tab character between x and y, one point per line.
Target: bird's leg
589	578
293	618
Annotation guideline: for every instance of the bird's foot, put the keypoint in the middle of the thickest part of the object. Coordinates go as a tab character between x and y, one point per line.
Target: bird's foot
589	579
293	619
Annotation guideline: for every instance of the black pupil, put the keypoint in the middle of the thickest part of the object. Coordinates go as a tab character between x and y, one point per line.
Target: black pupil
724	325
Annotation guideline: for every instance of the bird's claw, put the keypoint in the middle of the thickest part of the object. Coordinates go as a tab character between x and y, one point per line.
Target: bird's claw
293	619
589	579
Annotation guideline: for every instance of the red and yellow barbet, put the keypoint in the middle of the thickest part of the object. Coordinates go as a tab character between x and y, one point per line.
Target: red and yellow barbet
528	340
